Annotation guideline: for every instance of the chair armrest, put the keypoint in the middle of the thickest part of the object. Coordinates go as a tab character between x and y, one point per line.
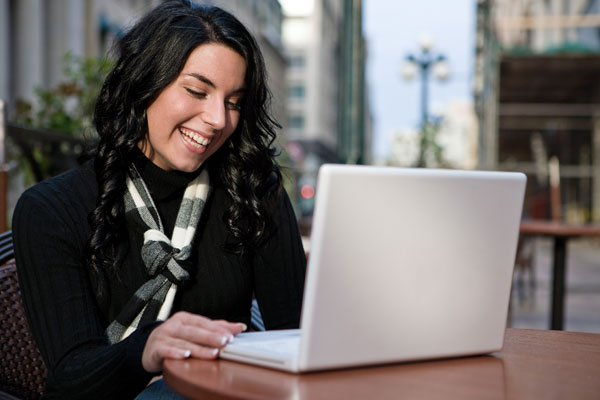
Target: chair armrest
22	369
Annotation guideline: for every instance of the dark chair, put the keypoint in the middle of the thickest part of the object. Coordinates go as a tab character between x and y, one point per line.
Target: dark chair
22	369
6	247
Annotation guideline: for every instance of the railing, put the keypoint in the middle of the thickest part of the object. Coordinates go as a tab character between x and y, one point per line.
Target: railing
61	150
67	147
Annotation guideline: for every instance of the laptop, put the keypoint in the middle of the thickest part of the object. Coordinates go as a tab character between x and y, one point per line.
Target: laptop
405	264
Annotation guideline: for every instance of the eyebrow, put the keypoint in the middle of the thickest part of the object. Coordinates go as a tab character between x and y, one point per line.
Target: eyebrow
210	83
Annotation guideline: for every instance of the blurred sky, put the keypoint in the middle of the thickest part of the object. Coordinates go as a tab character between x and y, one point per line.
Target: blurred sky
392	30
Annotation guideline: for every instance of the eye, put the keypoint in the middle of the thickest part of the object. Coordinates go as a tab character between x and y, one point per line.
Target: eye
195	93
233	105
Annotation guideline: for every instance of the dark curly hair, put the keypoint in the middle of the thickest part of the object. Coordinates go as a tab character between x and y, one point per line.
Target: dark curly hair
151	55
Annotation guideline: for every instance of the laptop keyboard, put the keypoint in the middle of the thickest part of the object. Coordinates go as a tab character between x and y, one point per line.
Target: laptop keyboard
284	346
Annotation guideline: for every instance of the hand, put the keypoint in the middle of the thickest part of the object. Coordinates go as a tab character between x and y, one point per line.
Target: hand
184	335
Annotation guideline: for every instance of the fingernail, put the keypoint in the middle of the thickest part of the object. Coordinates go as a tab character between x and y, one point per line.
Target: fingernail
187	354
244	327
215	352
230	339
224	340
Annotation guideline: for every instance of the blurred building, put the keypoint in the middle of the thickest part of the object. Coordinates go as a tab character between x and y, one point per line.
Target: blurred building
35	35
458	135
328	118
537	93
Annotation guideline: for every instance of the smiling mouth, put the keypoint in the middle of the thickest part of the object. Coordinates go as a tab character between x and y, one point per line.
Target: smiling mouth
194	139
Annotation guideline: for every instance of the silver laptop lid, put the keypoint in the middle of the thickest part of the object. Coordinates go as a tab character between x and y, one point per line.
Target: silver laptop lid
408	264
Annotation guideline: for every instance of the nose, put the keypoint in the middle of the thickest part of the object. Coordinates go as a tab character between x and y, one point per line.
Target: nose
214	113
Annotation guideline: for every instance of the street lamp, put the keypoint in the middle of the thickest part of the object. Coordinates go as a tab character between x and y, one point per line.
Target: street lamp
424	63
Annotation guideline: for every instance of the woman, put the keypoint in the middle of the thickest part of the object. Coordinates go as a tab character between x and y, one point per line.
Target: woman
155	248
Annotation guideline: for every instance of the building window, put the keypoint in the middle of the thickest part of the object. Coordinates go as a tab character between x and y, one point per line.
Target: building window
296	122
297	61
297	92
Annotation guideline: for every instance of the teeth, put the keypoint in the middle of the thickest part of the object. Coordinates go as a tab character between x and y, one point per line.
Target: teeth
195	139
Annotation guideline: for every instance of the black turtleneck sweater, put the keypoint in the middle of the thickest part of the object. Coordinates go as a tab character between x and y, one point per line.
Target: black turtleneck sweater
50	231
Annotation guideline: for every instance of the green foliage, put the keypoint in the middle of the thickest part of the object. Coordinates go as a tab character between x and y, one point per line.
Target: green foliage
431	153
69	107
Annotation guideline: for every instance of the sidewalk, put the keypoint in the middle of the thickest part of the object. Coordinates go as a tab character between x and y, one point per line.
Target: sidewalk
531	297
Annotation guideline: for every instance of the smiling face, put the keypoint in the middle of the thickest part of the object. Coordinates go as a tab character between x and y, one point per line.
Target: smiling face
196	113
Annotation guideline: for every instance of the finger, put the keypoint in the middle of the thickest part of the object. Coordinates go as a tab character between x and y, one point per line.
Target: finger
233	327
177	349
154	355
204	352
203	336
183	349
199	321
218	326
175	329
227	328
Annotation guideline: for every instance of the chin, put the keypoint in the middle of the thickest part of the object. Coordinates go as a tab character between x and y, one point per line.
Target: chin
188	168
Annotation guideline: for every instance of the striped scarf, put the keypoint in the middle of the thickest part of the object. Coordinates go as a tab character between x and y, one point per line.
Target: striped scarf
154	299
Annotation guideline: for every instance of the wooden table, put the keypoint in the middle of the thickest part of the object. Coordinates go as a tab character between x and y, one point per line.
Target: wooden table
534	364
561	234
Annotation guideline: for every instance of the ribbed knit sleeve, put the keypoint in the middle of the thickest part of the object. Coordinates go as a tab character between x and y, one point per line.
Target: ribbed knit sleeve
279	270
50	231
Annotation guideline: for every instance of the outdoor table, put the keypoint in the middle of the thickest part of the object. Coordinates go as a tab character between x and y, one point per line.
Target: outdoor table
561	233
534	364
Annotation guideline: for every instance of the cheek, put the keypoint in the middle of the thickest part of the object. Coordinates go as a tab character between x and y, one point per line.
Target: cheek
165	113
156	118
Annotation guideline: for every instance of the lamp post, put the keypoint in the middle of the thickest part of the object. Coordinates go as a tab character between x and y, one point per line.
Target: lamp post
425	62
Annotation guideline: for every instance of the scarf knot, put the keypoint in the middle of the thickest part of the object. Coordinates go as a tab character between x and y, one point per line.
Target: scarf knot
160	255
